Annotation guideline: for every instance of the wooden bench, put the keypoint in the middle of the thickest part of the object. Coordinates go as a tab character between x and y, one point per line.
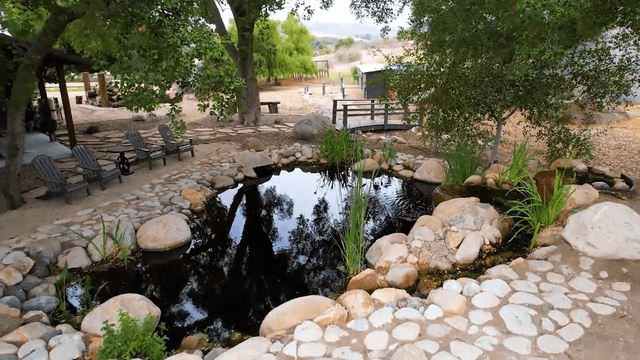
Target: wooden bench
273	106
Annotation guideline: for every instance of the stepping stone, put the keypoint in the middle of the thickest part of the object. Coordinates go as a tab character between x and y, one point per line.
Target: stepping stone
551	344
427	345
485	300
540	265
582	284
524	298
616	295
496	286
377	340
486	343
517	318
464	351
571	332
438	330
558	300
621	286
381	317
433	312
601	309
526	286
458	322
582	317
555	278
480	317
518	344
559	317
406	332
607	301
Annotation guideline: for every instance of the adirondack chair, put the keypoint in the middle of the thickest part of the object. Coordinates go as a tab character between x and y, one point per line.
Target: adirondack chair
143	151
56	182
169	141
91	168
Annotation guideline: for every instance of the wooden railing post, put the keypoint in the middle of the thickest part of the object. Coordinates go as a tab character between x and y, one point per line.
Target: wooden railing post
323	89
372	108
386	116
334	113
345	113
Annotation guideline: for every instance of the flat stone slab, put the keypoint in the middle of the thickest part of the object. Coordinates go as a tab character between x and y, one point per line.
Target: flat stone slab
605	230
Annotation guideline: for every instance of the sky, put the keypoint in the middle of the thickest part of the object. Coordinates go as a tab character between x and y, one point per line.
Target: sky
338	13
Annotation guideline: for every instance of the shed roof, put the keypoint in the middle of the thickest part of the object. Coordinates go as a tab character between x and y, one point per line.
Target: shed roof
369	68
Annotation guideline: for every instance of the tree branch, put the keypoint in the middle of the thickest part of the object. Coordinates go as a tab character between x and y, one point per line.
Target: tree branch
511	113
222	30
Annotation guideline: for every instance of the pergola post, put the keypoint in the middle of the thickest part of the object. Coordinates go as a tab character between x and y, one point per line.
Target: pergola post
66	105
102	84
45	111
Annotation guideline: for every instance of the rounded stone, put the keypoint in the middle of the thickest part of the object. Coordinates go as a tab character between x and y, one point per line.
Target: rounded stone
10	276
294	312
409	351
409	314
449	302
452	286
402	276
381	317
464	351
433	312
496	286
136	305
571	332
601	309
480	317
406	332
583	284
312	350
163	233
581	316
377	340
518	319
308	331
518	344
621	286
42	303
551	344
485	300
358	303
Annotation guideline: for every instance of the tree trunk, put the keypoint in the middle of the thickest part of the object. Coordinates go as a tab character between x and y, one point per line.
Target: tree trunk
496	143
24	82
250	97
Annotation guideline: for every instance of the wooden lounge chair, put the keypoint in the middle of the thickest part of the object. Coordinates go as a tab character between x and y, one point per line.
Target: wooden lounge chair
91	168
56	182
143	151
171	144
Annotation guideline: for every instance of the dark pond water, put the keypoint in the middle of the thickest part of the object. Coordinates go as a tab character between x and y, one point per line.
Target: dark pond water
259	245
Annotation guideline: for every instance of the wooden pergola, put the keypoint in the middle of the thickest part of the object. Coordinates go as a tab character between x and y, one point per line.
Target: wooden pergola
54	59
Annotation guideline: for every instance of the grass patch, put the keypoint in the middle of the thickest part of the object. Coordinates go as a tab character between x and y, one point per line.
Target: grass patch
462	161
340	148
533	213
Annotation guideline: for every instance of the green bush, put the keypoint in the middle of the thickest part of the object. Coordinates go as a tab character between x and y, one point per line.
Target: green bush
533	213
354	74
132	339
341	147
346	43
462	160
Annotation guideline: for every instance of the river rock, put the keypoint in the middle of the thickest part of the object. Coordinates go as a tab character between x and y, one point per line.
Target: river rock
606	230
431	171
449	302
447	209
366	280
252	159
367	165
136	305
470	248
101	248
43	303
28	332
294	312
311	126
402	276
126	234
43	252
23	265
196	199
429	221
390	295
387	250
472	216
358	303
164	233
249	349
252	144
76	258
332	316
583	195
221	181
10	276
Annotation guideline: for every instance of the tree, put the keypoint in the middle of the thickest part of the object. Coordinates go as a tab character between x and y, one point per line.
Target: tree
532	57
297	48
24	82
347	43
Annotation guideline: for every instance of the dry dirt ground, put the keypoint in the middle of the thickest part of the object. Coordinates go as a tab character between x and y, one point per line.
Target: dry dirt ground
616	145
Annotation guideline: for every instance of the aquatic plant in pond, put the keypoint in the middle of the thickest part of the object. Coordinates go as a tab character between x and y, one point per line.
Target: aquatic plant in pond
353	241
340	147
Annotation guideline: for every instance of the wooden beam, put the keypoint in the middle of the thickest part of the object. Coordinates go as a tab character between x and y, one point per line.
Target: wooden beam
102	84
66	105
44	109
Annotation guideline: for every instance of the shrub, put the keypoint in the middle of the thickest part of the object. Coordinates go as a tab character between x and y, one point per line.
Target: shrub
354	74
348	56
462	161
533	213
346	43
132	339
340	147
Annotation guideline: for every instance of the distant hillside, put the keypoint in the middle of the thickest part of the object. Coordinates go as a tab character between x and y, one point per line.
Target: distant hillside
355	30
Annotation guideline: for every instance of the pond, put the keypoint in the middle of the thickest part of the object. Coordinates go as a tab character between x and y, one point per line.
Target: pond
259	245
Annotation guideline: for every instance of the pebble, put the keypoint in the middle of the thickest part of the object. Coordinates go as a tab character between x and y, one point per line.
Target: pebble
486	343
312	350
606	300
558	300
540	265
464	351
586	263
409	314
458	322
334	333
526	286
524	298
496	286
616	295
308	331
559	317
452	286
438	330
555	278
381	317
518	320
359	324
428	345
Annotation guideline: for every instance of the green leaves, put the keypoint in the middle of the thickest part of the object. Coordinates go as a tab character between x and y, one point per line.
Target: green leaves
132	339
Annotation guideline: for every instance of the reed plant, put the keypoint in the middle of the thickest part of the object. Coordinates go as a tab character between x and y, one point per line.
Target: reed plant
521	158
462	160
533	212
119	246
340	147
353	242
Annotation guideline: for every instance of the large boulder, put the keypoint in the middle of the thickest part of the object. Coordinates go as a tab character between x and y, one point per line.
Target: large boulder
294	312
471	216
358	303
43	252
164	233
583	195
311	126
431	171
251	348
126	233
607	230
381	246
136	305
447	209
252	159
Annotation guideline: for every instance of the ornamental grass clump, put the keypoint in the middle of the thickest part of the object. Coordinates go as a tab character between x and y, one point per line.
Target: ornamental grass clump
353	242
340	147
534	212
462	160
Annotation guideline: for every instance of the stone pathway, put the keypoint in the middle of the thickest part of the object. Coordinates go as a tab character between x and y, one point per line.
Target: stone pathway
531	309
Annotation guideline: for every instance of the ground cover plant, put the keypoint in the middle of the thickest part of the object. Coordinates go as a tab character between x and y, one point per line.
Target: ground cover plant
132	338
